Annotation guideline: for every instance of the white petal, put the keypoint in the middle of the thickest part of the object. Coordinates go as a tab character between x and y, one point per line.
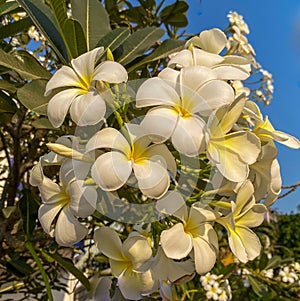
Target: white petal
205	255
173	204
254	217
137	249
188	136
159	123
85	63
244	199
230	72
64	77
102	292
216	94
236	246
133	285
68	229
155	91
111	72
183	58
161	154
167	269
83	199
175	242
286	139
250	242
88	109
50	191
47	214
170	76
153	178
59	104
204	58
192	78
109	243
109	138
213	40
111	170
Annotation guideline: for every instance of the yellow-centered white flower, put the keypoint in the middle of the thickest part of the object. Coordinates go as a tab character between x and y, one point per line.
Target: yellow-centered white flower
204	50
125	258
179	98
231	152
245	214
86	105
195	233
66	201
150	163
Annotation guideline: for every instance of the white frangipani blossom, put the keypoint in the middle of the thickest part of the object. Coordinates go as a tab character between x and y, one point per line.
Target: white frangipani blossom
231	152
204	51
150	163
66	201
87	106
125	259
178	99
195	233
245	214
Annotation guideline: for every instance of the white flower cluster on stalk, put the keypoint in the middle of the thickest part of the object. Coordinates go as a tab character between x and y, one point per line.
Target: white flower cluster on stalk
192	110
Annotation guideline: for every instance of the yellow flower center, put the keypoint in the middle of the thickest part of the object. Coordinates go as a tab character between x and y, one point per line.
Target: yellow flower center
182	112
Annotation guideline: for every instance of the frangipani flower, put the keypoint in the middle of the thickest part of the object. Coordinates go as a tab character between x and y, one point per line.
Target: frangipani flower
87	107
194	233
69	200
150	163
166	269
211	43
266	132
265	175
178	97
231	152
246	213
125	258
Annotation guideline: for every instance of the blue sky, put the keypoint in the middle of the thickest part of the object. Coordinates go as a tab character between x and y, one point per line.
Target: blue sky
275	35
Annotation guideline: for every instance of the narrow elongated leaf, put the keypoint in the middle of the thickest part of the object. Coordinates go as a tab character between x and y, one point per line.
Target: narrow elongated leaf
69	266
24	64
166	48
13	28
60	11
7	7
29	211
6	104
7	86
32	96
114	38
75	38
93	18
139	42
44	19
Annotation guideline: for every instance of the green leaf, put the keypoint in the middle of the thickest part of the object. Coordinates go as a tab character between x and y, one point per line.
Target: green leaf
7	211
60	11
139	42
114	38
19	267
7	86
32	96
6	7
93	18
6	104
24	64
256	285
43	123
44	19
69	266
179	20
176	8
165	49
29	211
75	37
12	29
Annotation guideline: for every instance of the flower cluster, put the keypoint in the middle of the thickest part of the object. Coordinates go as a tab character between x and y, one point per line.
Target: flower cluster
216	288
191	110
